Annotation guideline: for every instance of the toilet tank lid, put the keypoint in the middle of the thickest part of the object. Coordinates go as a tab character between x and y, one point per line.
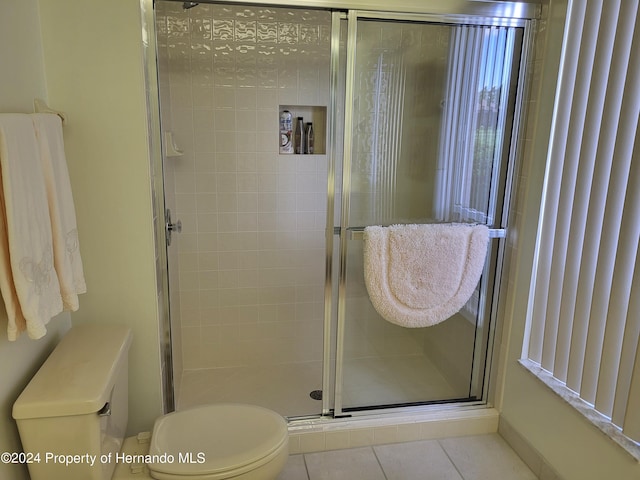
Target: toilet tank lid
78	376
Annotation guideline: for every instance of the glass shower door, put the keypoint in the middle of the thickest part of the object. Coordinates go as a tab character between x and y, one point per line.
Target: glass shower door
427	140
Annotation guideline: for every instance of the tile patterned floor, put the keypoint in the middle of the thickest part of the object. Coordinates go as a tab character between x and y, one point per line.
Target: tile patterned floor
479	457
285	390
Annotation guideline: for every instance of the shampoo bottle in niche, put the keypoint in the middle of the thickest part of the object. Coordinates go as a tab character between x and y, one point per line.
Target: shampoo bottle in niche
286	132
299	136
308	138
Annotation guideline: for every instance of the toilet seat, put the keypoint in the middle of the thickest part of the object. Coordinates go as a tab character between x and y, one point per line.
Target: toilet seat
216	441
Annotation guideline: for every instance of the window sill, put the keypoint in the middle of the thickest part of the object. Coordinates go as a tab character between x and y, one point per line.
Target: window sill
595	418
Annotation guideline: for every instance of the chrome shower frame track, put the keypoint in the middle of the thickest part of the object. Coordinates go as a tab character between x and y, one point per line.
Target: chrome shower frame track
347	233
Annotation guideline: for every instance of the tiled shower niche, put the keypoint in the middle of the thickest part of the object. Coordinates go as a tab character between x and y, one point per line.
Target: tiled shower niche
317	115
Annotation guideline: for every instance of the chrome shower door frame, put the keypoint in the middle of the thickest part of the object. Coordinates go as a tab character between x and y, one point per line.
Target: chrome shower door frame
333	378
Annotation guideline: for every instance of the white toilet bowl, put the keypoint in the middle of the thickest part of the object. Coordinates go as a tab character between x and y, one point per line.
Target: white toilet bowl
219	441
242	442
75	408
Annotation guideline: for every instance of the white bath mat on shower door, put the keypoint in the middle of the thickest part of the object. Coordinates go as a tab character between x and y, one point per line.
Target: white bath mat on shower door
420	275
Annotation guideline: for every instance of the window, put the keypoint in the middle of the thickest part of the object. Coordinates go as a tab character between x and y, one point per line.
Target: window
476	118
585	299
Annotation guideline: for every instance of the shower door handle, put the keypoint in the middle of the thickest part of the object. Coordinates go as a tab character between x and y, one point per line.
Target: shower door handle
172	227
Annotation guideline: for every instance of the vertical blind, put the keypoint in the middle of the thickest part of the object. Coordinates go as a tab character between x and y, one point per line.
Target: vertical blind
474	119
585	315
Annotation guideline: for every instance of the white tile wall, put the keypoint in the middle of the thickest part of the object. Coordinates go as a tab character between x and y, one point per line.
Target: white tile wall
250	258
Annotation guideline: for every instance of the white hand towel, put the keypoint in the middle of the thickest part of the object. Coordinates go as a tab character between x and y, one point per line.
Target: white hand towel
16	321
420	275
66	250
27	234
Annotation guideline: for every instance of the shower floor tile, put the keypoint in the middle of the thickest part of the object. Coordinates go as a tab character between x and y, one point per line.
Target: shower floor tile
393	380
285	388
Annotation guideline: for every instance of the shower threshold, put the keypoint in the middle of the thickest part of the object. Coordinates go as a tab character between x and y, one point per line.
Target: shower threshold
402	425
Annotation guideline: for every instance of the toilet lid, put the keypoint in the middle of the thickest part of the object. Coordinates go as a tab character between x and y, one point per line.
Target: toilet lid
212	439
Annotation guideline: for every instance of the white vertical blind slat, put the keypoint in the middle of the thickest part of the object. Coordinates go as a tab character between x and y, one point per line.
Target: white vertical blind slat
631	427
576	212
579	160
456	113
506	45
485	67
588	257
560	127
629	365
607	193
629	245
447	150
608	292
474	52
623	314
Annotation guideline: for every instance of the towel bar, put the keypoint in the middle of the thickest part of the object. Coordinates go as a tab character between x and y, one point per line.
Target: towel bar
356	233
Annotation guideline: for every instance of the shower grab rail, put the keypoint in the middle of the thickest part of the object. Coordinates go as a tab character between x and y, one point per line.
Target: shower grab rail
356	233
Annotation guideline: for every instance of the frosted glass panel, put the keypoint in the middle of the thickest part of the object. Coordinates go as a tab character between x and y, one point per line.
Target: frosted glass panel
400	86
433	106
249	276
431	109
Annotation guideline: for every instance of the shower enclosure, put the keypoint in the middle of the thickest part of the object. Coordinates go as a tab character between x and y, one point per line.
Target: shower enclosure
416	118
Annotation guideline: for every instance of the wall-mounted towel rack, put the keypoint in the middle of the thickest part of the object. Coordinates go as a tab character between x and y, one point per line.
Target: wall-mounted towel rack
40	106
356	233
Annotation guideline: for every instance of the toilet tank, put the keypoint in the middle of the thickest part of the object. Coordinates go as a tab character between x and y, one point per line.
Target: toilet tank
72	416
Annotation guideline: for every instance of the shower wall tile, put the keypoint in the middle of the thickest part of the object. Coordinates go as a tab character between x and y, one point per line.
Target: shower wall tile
202	95
184	182
188	226
188	243
267	99
251	255
185	203
246	98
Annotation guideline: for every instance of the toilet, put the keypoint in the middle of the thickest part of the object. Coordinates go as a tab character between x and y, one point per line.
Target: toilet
72	419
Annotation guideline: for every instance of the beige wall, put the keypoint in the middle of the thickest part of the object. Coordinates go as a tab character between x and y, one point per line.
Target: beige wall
95	73
569	443
22	79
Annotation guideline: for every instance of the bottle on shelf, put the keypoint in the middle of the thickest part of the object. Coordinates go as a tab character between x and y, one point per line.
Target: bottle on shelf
308	138
299	136
286	127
